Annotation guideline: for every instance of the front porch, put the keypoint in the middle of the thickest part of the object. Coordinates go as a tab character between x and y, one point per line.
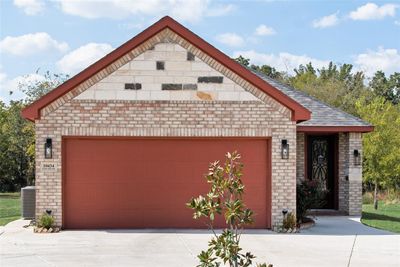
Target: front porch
333	158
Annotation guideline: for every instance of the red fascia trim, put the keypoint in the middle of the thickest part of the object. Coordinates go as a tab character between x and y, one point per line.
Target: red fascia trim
299	113
335	129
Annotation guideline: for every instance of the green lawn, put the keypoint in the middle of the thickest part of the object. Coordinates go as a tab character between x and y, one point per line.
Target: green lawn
10	207
387	217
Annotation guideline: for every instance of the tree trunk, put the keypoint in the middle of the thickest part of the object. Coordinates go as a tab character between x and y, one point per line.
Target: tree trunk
376	195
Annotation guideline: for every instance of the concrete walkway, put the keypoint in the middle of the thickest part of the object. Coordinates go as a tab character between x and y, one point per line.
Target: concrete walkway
334	241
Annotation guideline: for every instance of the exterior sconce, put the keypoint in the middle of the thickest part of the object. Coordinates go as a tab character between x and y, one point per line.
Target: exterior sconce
357	157
48	149
285	149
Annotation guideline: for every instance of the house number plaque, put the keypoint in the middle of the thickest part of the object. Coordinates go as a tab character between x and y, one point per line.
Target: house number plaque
49	166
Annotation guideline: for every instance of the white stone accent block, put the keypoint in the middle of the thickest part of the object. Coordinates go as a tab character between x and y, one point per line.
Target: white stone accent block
126	95
105	94
160	95
178	70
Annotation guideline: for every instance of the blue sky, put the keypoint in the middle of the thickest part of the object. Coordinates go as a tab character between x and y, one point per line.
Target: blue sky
65	36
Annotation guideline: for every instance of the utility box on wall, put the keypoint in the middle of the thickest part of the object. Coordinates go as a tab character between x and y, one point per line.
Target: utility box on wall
28	202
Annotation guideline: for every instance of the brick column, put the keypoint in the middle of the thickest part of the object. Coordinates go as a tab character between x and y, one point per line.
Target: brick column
300	168
343	172
355	174
283	175
350	173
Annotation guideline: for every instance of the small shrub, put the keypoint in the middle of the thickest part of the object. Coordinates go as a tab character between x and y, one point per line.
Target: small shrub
289	221
368	198
225	199
309	195
392	197
46	221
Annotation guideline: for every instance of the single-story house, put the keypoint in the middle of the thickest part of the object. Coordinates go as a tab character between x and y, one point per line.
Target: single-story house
126	142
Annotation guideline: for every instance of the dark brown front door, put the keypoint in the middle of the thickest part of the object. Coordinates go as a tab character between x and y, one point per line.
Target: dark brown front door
321	165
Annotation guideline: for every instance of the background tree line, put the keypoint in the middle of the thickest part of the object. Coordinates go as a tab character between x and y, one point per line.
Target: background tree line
17	135
375	100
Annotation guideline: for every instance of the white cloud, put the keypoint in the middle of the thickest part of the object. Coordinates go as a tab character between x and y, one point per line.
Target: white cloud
230	39
184	10
82	57
31	43
130	26
282	61
327	21
371	11
387	60
3	76
30	7
220	10
264	30
12	85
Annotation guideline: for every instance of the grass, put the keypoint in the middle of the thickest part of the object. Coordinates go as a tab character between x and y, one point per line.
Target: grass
387	217
10	207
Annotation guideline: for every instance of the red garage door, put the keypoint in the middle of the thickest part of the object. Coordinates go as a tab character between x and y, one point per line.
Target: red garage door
145	183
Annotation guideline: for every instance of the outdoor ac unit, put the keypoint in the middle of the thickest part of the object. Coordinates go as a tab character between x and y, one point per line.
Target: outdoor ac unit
28	201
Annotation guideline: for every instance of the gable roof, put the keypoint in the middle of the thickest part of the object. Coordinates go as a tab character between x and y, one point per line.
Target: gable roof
299	112
324	118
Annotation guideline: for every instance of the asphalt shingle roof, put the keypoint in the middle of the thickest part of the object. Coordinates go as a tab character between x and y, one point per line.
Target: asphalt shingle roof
322	114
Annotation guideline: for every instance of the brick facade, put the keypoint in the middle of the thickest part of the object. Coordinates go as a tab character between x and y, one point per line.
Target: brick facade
300	168
235	108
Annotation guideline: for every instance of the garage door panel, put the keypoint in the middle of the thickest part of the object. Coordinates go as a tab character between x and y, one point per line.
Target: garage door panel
145	183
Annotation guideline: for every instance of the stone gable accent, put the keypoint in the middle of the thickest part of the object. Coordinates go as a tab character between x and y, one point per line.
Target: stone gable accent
164	41
177	74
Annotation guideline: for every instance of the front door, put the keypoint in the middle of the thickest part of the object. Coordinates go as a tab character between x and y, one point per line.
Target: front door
321	165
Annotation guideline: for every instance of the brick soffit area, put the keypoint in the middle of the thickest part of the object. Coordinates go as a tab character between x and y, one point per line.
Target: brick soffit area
139	44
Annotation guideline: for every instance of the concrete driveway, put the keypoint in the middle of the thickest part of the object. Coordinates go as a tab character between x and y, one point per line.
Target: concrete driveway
334	241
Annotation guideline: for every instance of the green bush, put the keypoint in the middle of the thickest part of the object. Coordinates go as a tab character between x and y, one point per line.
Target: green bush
46	221
309	195
368	198
225	199
392	197
289	222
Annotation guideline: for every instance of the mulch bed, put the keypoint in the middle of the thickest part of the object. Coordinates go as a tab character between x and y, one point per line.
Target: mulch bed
44	230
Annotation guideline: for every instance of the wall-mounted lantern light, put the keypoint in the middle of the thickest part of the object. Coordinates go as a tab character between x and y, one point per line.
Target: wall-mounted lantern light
48	149
285	149
357	157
